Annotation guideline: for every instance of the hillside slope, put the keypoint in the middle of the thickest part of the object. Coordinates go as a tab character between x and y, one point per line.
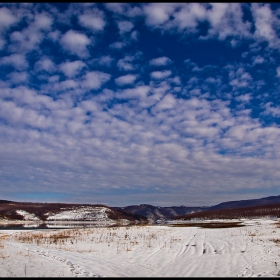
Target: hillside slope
246	203
157	213
258	211
28	211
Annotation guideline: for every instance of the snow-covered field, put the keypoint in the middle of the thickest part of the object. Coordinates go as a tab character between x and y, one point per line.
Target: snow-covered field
143	251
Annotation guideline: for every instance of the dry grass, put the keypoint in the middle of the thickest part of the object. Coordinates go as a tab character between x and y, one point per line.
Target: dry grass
47	238
3	236
121	239
252	234
275	240
277	224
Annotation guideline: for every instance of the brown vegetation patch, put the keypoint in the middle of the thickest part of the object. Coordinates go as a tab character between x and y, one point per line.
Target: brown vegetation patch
43	238
275	240
4	236
211	225
277	224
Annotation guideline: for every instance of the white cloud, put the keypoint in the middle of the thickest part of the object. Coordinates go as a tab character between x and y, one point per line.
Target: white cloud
125	80
75	42
116	7
189	16
239	131
134	35
167	102
30	37
217	13
19	77
7	18
161	74
117	45
226	19
137	92
158	13
263	22
160	61
93	20
71	69
134	12
95	79
65	85
125	9
126	64
176	80
17	60
54	35
258	60
45	64
43	21
278	72
239	78
53	79
244	98
26	40
271	109
125	26
105	60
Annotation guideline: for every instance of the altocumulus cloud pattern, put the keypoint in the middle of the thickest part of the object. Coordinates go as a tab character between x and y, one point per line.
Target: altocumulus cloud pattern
121	104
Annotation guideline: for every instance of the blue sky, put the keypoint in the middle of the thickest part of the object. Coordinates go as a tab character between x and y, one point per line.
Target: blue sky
121	104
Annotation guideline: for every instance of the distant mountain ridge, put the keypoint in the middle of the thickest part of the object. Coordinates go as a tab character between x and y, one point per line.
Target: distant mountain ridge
24	211
5	201
157	213
251	208
246	203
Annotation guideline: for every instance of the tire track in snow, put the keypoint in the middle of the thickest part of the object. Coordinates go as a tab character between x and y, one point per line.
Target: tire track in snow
209	256
76	269
185	247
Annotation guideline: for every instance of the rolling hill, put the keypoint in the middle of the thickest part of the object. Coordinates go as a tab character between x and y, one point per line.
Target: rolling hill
50	212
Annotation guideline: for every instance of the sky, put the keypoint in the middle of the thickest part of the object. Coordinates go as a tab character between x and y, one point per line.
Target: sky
139	103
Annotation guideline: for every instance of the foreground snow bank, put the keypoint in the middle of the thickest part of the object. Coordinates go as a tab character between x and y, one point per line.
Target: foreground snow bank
143	251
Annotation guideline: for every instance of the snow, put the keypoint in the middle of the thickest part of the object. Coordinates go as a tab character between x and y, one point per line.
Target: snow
143	251
69	217
81	213
27	216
